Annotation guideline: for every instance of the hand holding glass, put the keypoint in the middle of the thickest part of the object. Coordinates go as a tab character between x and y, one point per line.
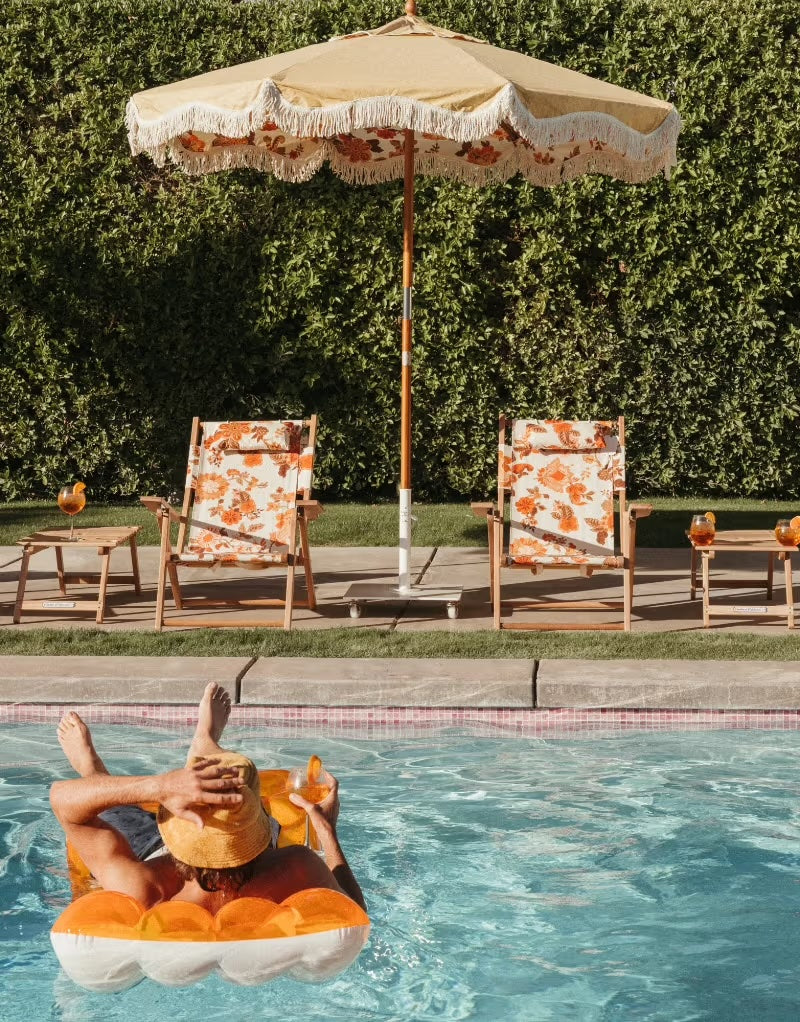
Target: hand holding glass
312	783
72	500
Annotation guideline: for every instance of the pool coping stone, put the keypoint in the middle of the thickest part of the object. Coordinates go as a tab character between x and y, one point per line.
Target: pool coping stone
405	682
390	681
115	679
669	684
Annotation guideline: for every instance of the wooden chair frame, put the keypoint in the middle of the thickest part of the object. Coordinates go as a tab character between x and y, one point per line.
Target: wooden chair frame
306	510
498	559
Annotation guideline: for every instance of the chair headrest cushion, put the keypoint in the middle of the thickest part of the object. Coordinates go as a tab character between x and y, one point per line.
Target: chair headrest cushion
564	435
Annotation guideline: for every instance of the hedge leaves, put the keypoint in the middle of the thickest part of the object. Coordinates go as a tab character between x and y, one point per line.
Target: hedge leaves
132	299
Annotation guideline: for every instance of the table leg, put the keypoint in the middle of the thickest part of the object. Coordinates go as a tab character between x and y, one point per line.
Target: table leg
105	563
770	570
787	570
23	578
137	587
706	588
693	576
60	569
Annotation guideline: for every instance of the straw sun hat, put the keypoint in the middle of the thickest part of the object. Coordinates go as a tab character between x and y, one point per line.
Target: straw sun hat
231	835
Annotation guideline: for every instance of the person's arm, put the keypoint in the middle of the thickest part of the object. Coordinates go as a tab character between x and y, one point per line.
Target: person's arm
323	816
76	804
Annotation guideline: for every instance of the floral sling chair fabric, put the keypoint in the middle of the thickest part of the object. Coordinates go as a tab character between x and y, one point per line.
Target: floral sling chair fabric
247	503
561	479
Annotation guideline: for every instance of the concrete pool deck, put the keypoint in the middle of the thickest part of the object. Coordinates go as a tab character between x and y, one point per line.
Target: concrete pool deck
662	603
661	599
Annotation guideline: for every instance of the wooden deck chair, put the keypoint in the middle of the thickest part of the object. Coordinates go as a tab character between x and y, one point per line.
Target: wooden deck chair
561	479
247	503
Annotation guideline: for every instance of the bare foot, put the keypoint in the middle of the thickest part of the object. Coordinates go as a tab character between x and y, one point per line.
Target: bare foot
213	712
76	742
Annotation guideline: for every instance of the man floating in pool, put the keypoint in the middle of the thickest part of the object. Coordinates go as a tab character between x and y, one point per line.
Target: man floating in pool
212	842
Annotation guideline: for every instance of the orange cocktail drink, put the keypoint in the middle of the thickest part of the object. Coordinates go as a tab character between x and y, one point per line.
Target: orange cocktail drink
787	533
72	500
702	530
310	781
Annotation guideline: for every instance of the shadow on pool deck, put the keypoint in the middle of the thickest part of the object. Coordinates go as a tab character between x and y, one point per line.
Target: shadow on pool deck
661	598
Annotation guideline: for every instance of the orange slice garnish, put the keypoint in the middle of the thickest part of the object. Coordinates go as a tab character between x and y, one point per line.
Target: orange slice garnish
711	517
314	769
79	487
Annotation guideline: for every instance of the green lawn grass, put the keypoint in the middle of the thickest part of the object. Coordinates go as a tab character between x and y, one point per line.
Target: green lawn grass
350	642
436	524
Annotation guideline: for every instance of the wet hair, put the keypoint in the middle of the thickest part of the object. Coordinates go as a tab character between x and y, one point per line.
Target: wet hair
231	879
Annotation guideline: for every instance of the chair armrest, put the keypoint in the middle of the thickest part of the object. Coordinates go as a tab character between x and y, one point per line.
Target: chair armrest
160	505
483	509
310	509
639	511
152	503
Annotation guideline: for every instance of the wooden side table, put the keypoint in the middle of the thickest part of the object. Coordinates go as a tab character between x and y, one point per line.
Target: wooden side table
743	541
104	540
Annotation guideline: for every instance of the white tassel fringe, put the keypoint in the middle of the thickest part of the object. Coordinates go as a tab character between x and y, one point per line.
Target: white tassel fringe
635	155
227	158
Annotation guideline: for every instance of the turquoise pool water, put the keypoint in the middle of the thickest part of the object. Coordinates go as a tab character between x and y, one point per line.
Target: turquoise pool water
641	877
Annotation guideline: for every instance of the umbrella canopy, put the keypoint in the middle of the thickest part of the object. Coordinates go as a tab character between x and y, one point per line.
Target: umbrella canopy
403	99
481	113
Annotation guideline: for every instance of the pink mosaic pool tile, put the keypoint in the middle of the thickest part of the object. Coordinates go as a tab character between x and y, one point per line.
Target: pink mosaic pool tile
415	722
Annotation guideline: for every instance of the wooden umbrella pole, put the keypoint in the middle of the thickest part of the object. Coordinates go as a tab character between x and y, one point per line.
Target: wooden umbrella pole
404	552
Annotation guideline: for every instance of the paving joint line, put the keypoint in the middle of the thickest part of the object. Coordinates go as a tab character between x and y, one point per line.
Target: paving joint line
401	612
425	566
237	685
396	619
534	685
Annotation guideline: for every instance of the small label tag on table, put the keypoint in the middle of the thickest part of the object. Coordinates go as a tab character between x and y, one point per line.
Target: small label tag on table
750	610
58	604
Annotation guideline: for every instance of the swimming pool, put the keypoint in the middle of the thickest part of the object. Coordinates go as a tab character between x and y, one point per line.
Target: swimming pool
646	876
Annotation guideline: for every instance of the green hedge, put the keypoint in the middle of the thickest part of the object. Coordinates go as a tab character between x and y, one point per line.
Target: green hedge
132	299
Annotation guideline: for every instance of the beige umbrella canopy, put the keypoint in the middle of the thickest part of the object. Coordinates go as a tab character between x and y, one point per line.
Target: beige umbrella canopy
403	99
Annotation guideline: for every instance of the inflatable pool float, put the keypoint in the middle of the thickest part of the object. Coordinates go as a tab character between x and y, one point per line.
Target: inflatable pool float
107	942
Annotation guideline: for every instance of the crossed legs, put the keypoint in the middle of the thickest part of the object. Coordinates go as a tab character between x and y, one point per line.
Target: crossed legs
214	709
213	712
76	743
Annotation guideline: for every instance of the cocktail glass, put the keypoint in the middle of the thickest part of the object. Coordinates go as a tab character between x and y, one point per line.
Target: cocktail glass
72	500
310	781
701	531
785	534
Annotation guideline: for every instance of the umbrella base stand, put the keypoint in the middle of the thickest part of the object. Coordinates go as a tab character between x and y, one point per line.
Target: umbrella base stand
390	592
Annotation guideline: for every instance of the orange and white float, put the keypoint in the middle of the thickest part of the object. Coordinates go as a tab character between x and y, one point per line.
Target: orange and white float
107	942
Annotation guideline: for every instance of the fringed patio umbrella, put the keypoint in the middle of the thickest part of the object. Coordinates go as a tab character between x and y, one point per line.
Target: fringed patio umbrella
403	99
